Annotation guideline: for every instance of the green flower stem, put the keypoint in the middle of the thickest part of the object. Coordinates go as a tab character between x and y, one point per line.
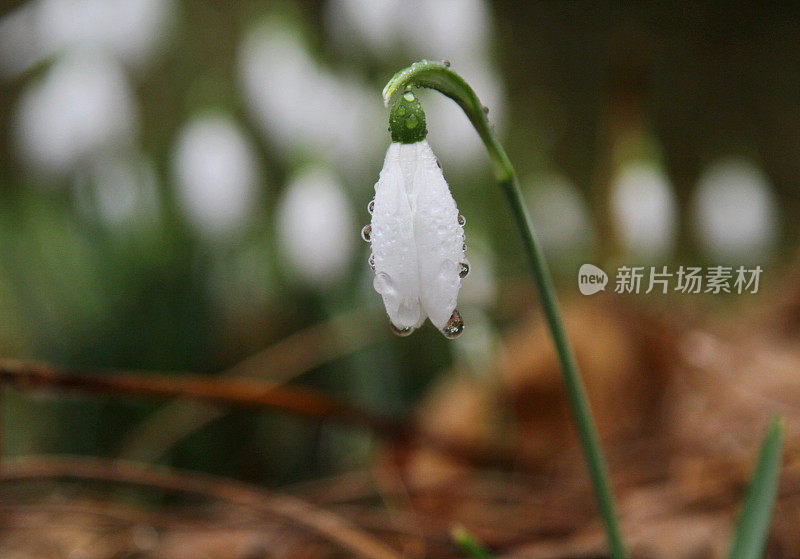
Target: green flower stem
438	76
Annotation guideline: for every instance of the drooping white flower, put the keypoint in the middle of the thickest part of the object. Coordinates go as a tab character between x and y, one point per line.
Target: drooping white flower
416	232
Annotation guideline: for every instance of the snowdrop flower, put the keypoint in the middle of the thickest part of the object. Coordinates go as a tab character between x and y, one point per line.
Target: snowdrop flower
315	225
288	93
644	209
131	31
735	213
416	232
216	174
82	106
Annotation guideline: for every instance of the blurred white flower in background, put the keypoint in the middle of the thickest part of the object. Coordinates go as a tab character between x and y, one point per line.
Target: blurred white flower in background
20	39
735	213
304	109
121	190
456	30
316	229
644	210
560	213
83	105
369	23
131	30
388	28
459	31
216	174
479	289
450	132
453	29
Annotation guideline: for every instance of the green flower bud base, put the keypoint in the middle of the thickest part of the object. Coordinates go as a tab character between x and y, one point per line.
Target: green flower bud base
407	120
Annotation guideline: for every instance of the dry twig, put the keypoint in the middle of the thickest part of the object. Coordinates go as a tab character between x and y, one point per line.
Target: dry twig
249	393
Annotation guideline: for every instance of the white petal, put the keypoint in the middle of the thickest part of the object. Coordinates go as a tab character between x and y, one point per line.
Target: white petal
393	247
439	238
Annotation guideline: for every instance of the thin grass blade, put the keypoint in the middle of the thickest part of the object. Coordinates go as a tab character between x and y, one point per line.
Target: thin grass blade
753	528
467	543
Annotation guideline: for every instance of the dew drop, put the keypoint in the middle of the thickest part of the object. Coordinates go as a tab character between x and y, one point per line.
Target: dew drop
408	96
371	262
446	63
383	284
485	110
371	206
464	272
462	220
402	332
438	163
454	326
464	247
366	232
401	111
448	269
412	121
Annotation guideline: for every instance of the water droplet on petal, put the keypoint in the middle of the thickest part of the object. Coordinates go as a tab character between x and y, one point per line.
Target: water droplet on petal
371	206
485	110
464	270
448	269
408	311
412	121
402	332
366	232
462	220
454	326
371	262
464	247
383	284
401	111
446	63
408	96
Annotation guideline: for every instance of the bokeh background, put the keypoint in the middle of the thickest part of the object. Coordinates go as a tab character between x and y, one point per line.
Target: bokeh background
182	186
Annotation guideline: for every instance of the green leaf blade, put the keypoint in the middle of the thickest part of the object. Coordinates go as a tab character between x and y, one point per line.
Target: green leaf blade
469	545
754	523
